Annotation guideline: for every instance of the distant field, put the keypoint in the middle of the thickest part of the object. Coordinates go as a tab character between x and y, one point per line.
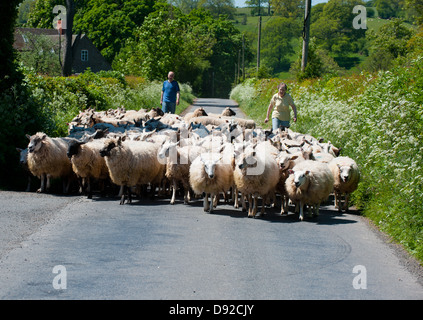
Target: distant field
249	26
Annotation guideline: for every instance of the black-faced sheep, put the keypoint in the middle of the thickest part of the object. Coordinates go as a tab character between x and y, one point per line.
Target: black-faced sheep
309	183
346	178
87	162
47	159
132	163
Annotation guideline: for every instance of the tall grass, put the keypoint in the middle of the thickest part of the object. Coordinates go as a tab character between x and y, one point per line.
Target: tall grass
377	119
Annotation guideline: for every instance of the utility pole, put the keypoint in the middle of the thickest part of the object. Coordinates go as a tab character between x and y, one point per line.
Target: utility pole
258	39
243	62
306	34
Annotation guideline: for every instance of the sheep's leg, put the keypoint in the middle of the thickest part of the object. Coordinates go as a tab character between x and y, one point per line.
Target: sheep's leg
244	205
336	200
250	205
42	186
89	191
28	186
316	209
206	202
346	205
122	193
66	184
174	185
301	211
213	198
48	177
235	197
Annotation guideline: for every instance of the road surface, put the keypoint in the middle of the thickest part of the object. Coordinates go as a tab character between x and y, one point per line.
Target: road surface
70	247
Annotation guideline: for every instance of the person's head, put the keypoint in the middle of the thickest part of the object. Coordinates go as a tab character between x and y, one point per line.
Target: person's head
282	87
171	75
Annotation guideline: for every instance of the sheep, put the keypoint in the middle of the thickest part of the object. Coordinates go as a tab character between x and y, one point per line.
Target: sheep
178	164
309	183
210	175
346	178
87	162
244	123
47	159
23	160
256	174
199	112
132	163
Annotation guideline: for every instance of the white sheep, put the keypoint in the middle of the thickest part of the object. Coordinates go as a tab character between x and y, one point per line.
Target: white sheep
256	174
132	163
87	162
179	160
211	174
47	159
309	183
346	178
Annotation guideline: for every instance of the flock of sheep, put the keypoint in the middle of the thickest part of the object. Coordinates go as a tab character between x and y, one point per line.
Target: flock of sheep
202	154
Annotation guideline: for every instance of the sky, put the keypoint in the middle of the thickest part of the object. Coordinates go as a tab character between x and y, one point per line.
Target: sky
241	3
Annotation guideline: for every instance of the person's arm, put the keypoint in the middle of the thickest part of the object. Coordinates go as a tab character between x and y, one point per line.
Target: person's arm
294	108
268	111
161	98
177	97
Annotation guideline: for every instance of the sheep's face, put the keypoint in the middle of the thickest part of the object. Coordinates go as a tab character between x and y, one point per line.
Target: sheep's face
300	177
23	156
344	172
165	149
108	147
210	165
284	160
36	142
247	159
73	148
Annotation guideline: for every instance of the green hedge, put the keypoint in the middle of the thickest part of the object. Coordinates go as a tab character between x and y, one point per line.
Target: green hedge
47	104
377	119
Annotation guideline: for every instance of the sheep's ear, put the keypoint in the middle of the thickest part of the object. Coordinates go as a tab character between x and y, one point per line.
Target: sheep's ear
307	172
19	150
28	136
294	157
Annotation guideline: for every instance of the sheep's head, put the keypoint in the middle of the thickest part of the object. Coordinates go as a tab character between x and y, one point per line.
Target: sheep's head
199	112
248	158
210	163
109	145
345	172
36	141
164	151
228	112
300	177
73	148
284	159
23	156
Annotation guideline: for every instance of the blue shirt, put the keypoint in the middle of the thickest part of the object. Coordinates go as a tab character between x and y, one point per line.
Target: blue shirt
169	91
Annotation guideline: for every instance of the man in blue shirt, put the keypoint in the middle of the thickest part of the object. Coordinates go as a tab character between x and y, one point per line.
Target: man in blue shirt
170	94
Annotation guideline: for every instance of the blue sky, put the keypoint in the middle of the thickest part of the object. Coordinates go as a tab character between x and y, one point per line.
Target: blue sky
241	3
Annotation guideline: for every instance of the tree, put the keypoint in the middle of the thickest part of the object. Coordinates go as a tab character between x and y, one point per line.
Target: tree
218	7
277	35
288	8
201	49
41	55
106	22
387	44
333	28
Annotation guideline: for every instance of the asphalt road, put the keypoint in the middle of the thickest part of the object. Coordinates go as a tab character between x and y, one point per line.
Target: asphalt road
57	247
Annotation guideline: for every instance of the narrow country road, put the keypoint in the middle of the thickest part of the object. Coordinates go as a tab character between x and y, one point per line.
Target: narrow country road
71	247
